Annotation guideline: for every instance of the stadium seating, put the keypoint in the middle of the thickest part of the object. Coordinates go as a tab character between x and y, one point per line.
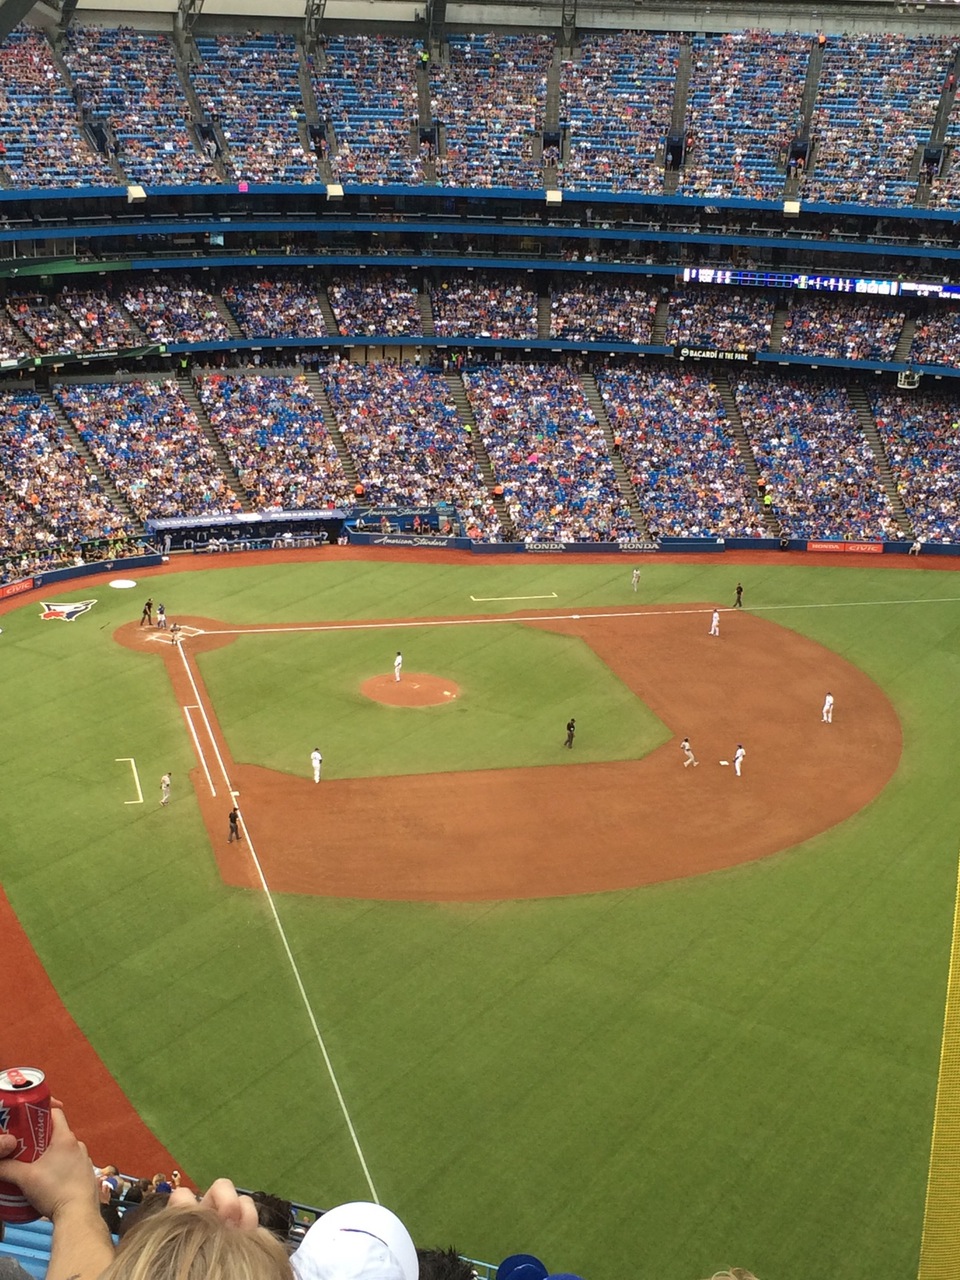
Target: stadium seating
726	320
582	311
680	453
617	101
841	328
367	88
490	100
548	453
130	80
876	103
921	435
375	303
483	305
150	443
249	86
818	467
275	437
742	112
407	441
42	143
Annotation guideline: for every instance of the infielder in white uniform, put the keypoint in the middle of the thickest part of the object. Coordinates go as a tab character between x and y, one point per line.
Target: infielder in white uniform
715	623
738	758
165	789
827	713
397	664
316	759
635	579
689	757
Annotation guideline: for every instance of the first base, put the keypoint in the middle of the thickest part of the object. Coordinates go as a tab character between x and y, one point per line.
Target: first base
724	761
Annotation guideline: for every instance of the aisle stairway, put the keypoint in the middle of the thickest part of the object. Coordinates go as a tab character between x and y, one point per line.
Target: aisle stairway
543	317
776	328
458	394
227	316
627	490
319	393
658	334
868	425
426	310
117	500
901	352
724	387
329	319
189	393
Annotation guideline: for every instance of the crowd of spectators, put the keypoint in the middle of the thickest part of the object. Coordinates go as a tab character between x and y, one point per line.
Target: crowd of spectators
14	344
549	454
49	495
129	78
841	328
602	311
49	328
680	453
617	101
876	103
367	88
723	319
375	303
921	436
483	305
249	86
102	321
408	443
743	109
274	435
490	99
149	442
42	143
174	309
281	304
936	339
96	1223
812	455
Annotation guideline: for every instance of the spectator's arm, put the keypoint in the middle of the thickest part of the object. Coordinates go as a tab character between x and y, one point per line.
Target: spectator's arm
62	1186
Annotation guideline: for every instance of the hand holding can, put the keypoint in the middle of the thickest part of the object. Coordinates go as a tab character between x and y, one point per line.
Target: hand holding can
61	1179
25	1117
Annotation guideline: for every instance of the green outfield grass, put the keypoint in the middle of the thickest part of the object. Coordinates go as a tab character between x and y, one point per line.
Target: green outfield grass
737	1069
278	695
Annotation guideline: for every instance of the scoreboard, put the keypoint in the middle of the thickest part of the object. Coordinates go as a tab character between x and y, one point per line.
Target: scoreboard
863	285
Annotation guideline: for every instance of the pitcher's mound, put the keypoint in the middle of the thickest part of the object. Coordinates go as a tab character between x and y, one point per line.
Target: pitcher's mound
414	690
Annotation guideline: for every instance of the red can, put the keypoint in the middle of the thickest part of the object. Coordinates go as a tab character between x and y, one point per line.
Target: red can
24	1112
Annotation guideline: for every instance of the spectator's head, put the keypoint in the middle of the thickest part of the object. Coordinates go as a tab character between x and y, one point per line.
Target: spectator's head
275	1215
148	1207
444	1264
196	1244
357	1241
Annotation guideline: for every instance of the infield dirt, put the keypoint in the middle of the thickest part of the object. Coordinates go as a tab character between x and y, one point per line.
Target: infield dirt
558	830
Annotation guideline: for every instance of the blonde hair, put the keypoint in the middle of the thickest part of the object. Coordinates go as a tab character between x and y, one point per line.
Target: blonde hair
195	1244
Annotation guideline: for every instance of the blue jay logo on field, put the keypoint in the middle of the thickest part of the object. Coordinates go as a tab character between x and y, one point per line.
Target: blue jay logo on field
65	612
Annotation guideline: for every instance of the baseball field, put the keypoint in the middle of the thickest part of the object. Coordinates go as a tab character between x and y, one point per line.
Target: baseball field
636	1018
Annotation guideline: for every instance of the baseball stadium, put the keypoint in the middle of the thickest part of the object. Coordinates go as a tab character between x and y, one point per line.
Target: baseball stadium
480	624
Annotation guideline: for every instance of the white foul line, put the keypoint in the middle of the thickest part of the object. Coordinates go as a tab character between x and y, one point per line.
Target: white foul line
136	777
196	743
509	619
283	939
491	599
